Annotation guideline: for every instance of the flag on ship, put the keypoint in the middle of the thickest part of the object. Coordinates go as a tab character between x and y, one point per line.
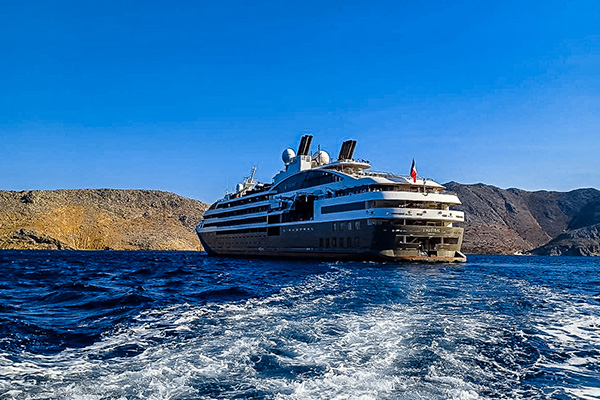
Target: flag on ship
413	171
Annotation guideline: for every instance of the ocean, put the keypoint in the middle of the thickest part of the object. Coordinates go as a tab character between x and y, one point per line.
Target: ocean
181	325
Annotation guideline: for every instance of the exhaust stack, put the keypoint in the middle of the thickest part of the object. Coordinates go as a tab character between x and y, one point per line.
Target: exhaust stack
347	150
304	147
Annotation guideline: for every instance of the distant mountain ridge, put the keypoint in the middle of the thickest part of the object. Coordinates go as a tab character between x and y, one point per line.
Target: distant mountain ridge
497	221
96	219
505	221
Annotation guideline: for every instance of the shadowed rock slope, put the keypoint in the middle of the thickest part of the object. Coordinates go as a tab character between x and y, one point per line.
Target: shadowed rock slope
95	219
505	221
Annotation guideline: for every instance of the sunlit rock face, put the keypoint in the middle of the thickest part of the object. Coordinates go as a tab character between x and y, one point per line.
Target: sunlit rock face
97	219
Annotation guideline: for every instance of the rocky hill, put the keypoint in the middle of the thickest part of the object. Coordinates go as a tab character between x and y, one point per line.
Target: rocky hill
577	242
498	221
505	221
94	219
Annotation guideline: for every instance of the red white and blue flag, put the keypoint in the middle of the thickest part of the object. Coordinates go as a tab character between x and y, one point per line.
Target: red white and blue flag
413	171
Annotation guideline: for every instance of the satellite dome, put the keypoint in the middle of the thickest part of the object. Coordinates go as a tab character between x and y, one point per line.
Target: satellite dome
321	158
287	156
239	187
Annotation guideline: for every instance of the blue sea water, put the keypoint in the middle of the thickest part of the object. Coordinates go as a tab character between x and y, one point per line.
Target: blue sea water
181	325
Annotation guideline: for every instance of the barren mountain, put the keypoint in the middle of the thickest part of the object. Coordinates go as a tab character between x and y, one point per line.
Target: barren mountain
93	219
506	221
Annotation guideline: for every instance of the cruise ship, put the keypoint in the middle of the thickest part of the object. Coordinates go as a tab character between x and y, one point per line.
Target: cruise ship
335	209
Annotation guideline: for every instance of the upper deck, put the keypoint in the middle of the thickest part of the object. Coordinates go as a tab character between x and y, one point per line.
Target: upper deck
318	177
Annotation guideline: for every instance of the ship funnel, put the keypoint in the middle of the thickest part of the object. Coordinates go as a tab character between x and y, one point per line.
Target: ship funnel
304	147
347	150
343	150
352	148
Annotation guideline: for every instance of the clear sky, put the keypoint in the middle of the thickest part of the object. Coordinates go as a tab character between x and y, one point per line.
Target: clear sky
185	96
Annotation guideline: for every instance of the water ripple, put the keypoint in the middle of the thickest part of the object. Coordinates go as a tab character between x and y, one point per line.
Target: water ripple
184	326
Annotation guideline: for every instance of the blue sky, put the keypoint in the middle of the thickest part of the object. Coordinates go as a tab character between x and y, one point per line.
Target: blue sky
186	96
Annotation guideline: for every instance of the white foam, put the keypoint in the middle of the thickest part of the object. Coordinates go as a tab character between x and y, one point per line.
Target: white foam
585	393
295	344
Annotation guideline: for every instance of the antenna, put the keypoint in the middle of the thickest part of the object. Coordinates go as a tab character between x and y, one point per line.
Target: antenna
252	172
249	181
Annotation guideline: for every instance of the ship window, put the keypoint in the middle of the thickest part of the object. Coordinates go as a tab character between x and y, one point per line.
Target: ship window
357	225
320	242
334	226
327	242
349	242
356	242
333	242
306	180
361	205
241	221
341	242
342	226
349	226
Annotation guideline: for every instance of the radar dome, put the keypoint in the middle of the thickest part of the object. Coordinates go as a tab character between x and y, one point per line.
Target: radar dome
321	158
239	187
287	156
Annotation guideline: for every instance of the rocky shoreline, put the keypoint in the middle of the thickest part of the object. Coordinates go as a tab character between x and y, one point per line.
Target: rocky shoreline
498	221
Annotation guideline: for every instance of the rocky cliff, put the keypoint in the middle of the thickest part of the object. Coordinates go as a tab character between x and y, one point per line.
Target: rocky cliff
505	221
94	219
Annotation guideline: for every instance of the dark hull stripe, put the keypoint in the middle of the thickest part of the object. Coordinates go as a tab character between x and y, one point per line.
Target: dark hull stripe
340	256
316	240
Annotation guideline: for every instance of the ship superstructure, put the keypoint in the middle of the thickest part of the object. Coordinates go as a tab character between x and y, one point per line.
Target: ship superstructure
338	209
